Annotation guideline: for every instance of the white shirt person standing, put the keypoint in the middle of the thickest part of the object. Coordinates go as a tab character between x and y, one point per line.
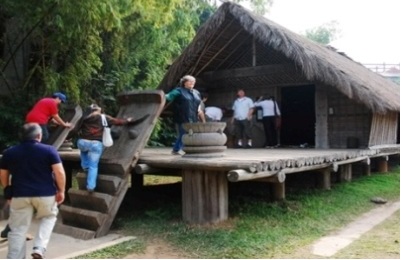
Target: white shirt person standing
270	111
213	114
243	109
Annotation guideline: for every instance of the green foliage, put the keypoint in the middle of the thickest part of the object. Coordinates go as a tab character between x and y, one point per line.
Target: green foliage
10	120
163	134
325	33
93	49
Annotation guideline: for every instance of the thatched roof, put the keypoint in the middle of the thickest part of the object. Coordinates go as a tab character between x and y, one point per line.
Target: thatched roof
225	42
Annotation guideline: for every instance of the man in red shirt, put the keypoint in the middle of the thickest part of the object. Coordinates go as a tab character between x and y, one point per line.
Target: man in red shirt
46	109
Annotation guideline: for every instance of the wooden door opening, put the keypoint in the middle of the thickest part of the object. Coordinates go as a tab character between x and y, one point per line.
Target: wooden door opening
298	116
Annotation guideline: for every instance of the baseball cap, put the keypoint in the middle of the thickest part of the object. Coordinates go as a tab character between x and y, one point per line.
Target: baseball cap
94	107
61	96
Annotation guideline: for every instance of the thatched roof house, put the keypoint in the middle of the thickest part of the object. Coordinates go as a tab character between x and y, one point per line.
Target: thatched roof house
337	97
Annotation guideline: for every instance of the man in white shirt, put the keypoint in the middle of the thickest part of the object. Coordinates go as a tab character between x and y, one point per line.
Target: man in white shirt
243	109
213	114
270	111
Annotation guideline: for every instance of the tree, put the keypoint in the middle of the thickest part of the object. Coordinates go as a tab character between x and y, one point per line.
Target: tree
325	33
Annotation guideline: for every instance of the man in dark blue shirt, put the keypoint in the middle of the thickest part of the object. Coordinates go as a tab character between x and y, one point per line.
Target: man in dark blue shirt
37	185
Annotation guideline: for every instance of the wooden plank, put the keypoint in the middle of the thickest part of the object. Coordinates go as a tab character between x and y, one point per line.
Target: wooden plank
104	183
81	218
59	134
132	138
249	72
95	201
146	169
75	232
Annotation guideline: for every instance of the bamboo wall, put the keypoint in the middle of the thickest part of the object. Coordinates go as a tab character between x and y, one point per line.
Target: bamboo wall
347	120
384	129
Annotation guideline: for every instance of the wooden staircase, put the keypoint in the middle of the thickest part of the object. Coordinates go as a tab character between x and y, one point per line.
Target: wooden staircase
90	215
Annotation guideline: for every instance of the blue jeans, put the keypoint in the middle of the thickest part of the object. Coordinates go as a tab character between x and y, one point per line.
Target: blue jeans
91	151
178	143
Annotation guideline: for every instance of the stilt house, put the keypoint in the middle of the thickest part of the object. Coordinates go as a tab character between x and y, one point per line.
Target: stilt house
327	99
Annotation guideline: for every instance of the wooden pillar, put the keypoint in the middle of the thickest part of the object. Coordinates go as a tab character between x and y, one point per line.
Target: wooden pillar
366	169
324	179
68	168
382	164
279	190
136	181
278	186
204	196
346	172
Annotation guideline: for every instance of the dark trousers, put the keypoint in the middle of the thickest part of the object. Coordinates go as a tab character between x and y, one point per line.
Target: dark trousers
45	134
243	129
270	130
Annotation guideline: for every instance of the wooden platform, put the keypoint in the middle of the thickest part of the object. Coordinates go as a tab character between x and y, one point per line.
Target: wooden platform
205	180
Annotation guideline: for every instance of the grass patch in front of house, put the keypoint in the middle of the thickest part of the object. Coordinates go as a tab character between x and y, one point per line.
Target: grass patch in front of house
256	228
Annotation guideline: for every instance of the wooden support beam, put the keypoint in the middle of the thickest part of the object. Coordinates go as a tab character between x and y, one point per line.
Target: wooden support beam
142	169
357	159
249	72
242	175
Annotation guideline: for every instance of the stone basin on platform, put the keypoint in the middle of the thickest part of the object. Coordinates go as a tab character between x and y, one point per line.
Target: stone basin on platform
204	139
208	127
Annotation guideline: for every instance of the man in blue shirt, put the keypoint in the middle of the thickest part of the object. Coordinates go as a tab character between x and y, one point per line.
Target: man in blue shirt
37	185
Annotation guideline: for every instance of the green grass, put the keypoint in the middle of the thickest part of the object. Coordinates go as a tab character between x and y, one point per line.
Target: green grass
257	227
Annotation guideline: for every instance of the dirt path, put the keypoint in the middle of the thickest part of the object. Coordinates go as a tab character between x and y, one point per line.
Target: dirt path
159	249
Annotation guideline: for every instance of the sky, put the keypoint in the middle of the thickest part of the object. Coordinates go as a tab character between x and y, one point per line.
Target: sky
370	30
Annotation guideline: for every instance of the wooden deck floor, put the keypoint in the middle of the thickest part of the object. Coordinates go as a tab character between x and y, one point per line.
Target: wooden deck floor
257	160
205	180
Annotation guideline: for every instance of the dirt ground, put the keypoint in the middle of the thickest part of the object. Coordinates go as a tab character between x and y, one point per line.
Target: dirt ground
381	242
159	249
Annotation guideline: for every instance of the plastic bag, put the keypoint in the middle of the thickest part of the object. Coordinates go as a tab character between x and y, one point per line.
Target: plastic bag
107	139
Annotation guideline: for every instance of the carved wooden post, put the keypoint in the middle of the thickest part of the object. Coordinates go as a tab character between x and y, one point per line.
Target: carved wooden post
204	196
204	193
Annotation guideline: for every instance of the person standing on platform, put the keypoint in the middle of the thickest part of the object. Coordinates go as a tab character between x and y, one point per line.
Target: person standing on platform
270	112
243	109
213	114
47	109
186	108
37	179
